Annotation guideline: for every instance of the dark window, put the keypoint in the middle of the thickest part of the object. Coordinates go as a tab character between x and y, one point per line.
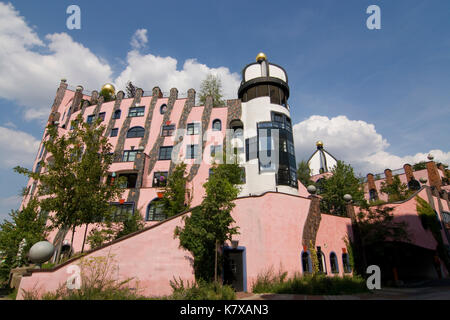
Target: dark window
90	118
242	175
160	179
413	184
373	195
165	153
102	116
191	151
38	168
117	114
129	156
193	128
130	180
251	93
334	263
346	263
42	151
306	262
321	261
274	95
263	90
163	109
251	148
136	112
155	211
123	211
136	132
114	132
217	125
168	130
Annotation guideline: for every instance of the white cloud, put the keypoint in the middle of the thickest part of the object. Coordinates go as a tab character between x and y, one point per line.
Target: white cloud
7	204
147	71
139	39
355	142
18	148
31	77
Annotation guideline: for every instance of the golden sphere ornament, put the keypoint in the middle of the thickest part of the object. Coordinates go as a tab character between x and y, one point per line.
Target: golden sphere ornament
261	57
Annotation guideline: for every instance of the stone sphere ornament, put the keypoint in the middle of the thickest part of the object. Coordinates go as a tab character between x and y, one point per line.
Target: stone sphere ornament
311	189
430	157
347	197
41	252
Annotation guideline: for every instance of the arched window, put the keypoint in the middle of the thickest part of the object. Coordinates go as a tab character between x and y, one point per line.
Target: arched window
321	260
163	109
117	114
217	125
346	263
136	132
155	211
306	262
334	263
413	185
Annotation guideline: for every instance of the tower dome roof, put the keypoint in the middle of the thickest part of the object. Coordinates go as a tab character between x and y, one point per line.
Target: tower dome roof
321	161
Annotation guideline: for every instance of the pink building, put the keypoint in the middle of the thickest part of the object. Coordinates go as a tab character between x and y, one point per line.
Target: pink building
278	219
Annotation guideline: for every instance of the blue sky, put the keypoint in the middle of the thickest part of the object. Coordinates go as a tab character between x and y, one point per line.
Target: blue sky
378	98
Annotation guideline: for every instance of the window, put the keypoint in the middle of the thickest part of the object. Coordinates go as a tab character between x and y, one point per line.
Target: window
413	184
165	153
163	109
242	175
160	179
346	263
136	132
123	211
216	151
321	261
274	95
193	128
102	116
155	211
114	132
131	179
306	262
129	156
373	195
42	151
90	118
334	263
191	151
217	125
136	112
251	148
117	114
38	168
168	130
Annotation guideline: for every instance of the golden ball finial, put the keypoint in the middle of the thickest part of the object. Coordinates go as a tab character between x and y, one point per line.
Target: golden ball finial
319	144
109	89
261	57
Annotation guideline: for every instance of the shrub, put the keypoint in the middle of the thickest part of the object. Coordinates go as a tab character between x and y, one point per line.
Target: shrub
316	284
201	290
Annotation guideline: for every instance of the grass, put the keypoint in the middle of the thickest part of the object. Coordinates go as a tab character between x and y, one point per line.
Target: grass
316	284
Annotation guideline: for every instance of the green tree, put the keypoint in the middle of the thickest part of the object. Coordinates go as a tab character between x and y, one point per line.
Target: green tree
396	191
131	90
210	223
211	86
419	166
333	189
23	230
174	200
304	173
72	185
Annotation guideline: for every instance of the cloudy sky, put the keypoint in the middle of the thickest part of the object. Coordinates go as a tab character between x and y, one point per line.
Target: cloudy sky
377	98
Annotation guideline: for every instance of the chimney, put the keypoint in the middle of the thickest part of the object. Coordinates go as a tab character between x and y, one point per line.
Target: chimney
76	105
408	172
157	92
433	175
388	174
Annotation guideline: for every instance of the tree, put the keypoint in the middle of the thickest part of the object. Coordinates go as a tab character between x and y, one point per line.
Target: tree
72	186
174	199
304	173
342	181
419	166
210	223
17	236
131	90
211	86
396	191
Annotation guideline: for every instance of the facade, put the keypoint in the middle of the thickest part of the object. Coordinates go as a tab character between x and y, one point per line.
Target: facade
278	220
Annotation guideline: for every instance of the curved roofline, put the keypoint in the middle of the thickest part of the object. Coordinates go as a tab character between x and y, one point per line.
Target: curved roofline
269	63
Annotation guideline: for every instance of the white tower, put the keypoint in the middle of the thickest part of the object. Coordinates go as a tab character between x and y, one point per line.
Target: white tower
269	158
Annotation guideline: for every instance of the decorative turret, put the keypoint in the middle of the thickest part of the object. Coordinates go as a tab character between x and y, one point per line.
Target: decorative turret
321	160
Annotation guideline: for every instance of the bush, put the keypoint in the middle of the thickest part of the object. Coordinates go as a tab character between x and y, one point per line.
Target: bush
201	290
315	284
